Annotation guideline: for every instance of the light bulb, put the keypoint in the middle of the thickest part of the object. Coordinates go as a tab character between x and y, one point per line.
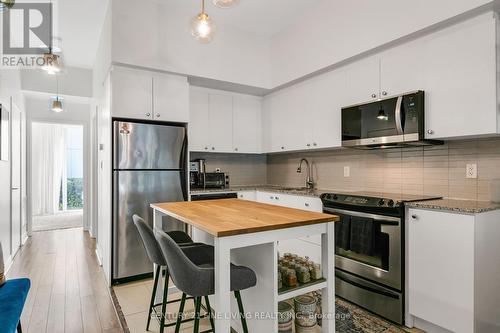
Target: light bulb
224	3
202	28
51	63
57	106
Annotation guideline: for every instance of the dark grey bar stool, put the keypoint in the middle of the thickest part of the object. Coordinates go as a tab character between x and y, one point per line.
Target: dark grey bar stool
192	270
156	256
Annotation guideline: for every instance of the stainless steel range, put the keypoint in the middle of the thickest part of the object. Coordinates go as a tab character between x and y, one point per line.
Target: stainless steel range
369	249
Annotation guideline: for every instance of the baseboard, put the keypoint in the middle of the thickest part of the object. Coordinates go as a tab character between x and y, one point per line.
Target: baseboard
98	255
429	327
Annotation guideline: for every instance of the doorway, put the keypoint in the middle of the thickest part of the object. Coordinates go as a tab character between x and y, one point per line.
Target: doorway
57	176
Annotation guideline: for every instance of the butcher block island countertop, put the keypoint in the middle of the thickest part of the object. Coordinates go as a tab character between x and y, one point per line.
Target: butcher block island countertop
229	217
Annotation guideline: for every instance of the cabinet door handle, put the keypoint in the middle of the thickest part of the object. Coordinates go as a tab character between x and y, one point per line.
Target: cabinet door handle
206	148
158	115
315	144
235	149
306	204
148	114
309	145
213	148
384	93
277	198
415	217
282	147
430	132
271	198
374	95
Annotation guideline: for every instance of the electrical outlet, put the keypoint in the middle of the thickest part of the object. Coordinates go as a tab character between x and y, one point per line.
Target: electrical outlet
347	171
471	171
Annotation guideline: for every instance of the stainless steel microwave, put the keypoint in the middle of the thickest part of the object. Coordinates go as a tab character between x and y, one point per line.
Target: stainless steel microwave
397	121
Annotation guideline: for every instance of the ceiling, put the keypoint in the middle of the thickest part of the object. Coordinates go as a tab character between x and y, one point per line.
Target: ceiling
264	17
78	23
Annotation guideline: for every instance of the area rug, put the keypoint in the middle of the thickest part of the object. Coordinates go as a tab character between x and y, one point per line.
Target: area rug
352	319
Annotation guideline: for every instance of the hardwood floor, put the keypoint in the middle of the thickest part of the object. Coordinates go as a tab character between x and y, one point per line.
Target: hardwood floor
68	290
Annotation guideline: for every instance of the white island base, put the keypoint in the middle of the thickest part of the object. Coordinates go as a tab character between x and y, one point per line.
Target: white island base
259	251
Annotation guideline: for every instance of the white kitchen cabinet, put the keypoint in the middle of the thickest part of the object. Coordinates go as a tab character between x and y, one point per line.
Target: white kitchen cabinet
363	81
170	98
461	80
451	281
247	195
247	124
199	135
326	102
220	120
225	122
138	94
132	93
402	69
441	268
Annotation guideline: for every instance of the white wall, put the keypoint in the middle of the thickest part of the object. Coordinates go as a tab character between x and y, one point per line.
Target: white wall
74	82
10	87
336	30
155	34
75	112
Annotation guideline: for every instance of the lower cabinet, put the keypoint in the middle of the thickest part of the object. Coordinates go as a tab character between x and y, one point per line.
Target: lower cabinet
307	246
451	280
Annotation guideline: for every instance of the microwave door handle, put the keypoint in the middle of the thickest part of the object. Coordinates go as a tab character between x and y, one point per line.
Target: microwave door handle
398	115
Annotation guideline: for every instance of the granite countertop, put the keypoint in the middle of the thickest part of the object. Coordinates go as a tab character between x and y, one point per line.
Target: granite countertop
457	205
271	188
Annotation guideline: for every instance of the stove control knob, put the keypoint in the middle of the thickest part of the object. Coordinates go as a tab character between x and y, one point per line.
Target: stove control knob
381	202
390	203
335	197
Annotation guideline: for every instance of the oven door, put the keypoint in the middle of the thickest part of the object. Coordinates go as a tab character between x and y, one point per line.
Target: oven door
383	264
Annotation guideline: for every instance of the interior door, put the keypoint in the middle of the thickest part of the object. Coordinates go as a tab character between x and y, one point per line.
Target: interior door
15	179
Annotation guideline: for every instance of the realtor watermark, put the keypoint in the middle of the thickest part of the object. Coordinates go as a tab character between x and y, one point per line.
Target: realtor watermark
26	35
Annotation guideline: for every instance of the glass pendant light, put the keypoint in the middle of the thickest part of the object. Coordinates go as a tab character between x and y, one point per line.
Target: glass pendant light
202	26
57	104
225	3
51	63
6	4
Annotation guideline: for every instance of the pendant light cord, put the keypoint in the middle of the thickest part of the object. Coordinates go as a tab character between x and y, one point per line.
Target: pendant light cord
57	88
203	6
51	26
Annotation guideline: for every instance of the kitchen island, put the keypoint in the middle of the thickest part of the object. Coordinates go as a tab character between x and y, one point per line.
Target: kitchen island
248	233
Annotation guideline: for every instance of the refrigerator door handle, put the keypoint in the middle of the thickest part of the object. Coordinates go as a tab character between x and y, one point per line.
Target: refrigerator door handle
182	167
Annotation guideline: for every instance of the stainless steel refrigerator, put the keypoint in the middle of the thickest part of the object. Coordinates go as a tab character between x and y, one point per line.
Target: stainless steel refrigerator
149	166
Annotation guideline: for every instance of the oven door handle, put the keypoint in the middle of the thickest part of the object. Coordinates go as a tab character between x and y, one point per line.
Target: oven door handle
399	115
360	284
384	218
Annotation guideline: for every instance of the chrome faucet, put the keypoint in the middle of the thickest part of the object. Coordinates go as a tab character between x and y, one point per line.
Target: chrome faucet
309	179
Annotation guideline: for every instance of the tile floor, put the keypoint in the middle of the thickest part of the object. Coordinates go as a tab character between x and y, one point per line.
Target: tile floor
134	300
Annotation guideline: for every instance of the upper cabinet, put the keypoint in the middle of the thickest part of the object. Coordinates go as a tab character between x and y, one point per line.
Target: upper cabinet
247	124
220	122
306	115
145	95
224	122
131	93
170	98
461	80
